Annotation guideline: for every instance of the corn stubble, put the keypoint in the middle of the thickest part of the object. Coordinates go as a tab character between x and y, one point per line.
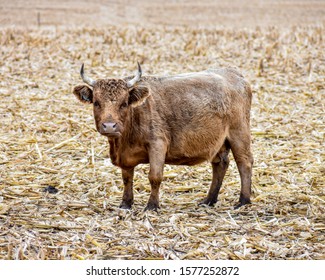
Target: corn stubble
48	140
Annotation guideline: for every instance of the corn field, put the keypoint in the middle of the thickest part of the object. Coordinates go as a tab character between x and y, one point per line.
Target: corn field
48	141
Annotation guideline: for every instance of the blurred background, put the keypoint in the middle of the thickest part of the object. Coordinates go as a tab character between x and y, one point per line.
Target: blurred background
207	13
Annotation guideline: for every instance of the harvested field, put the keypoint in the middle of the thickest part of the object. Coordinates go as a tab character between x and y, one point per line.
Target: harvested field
48	140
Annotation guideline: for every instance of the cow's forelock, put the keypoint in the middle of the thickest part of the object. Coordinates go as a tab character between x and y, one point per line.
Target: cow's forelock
110	90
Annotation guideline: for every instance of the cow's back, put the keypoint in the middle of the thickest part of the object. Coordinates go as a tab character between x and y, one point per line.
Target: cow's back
193	111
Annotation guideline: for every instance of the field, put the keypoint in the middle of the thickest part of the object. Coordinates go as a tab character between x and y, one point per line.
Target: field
48	139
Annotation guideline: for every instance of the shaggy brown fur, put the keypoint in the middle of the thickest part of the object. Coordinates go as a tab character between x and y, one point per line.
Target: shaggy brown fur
184	119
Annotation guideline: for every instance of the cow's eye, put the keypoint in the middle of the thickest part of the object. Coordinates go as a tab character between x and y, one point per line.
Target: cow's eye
96	104
123	105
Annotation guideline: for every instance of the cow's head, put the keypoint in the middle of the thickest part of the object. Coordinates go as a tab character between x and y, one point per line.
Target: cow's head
112	100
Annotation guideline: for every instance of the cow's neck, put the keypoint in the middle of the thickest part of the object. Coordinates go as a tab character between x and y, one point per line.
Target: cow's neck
112	150
130	137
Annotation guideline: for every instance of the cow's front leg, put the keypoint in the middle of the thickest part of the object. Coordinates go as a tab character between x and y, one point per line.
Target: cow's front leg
127	200
157	154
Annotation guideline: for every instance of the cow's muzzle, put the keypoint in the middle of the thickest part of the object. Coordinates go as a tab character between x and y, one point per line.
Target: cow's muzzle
110	129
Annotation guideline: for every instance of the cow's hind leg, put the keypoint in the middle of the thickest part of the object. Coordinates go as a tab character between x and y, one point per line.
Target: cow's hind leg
240	144
220	165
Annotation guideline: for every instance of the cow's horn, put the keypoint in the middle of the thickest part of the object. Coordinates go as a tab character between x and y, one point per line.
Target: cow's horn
86	79
137	77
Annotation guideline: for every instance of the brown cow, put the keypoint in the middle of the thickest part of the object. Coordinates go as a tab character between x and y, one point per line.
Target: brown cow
183	119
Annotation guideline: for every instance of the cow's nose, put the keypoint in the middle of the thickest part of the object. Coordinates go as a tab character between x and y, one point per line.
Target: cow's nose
109	127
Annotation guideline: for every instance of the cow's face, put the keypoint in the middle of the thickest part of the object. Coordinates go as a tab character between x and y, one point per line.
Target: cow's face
112	101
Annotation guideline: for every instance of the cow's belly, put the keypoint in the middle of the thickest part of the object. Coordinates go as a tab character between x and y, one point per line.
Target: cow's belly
197	143
195	150
185	160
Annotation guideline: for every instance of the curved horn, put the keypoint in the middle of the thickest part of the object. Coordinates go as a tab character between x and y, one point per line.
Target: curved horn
86	79
137	77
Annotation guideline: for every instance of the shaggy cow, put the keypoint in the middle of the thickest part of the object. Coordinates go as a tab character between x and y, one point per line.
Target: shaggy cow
184	119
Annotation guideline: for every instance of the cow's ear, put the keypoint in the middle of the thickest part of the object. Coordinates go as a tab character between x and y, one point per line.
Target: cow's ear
83	93
138	95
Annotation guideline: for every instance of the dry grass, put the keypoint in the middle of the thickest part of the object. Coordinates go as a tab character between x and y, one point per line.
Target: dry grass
48	139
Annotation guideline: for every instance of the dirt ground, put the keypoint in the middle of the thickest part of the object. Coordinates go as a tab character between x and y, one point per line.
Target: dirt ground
205	13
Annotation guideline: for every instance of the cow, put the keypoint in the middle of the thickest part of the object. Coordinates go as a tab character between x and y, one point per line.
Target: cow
183	119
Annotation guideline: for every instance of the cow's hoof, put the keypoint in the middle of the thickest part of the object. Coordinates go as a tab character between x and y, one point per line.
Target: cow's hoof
125	205
208	202
152	206
242	202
